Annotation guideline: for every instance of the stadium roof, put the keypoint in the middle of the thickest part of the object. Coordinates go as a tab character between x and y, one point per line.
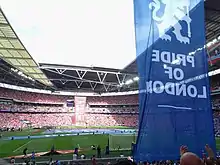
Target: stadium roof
9	75
13	52
93	79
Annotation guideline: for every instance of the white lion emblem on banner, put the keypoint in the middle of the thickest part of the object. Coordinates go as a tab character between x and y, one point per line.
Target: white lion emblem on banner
175	11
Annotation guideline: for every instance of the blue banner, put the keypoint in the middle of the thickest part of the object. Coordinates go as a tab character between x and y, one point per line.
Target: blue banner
174	99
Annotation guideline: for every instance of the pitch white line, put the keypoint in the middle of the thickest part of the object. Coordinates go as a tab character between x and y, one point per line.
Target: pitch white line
22	146
171	106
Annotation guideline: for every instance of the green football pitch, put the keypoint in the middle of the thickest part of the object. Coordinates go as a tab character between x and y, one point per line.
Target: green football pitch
16	147
10	148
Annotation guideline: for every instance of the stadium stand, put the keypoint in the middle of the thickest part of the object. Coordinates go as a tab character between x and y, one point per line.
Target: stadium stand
111	100
17	120
31	97
50	110
27	107
215	83
112	120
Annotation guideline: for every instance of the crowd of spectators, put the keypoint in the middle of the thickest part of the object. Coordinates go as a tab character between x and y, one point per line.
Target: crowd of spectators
17	120
215	85
45	110
111	120
33	108
215	102
31	97
112	111
216	121
109	111
214	52
113	100
22	120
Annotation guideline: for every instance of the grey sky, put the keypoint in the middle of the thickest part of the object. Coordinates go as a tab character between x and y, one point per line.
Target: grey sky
75	32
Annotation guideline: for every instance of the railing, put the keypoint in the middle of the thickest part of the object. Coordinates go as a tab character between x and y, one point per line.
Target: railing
84	161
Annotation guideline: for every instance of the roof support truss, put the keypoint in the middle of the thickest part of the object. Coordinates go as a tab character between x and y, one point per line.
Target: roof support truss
81	74
101	76
93	85
97	79
60	71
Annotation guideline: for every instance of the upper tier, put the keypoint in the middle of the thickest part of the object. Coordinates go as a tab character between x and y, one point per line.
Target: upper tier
50	98
31	97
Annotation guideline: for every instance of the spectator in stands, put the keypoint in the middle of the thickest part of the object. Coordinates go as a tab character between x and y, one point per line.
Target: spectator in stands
125	162
12	161
58	162
190	159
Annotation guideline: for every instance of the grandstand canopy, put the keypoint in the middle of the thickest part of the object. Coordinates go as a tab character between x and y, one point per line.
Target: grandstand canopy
14	53
93	79
17	61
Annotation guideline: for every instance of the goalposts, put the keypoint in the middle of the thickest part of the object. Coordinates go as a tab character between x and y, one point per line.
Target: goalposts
121	141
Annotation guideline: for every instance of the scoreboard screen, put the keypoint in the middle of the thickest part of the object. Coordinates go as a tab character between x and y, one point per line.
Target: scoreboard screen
70	103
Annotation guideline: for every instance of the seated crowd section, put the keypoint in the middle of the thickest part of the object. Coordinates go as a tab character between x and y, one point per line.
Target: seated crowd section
31	97
215	84
112	111
19	109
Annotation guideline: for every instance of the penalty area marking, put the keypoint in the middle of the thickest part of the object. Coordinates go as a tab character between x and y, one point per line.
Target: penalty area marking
22	146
